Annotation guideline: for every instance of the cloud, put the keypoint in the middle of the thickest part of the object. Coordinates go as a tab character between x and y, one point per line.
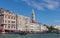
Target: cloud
43	4
52	4
56	20
33	4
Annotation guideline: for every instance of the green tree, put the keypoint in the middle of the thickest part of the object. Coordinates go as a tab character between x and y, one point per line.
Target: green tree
50	28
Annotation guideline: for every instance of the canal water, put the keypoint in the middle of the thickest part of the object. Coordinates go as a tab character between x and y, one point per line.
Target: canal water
30	36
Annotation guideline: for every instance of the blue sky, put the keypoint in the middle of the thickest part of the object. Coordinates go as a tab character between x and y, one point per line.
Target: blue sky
46	11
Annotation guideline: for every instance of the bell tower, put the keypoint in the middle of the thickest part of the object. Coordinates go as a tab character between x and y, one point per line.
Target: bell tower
33	16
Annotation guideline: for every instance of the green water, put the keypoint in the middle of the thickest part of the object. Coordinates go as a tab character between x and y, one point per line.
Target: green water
30	36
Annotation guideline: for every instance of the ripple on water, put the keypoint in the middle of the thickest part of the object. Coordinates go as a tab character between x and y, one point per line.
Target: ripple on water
30	36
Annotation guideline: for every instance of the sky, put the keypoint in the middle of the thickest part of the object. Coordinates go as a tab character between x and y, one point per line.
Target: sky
46	11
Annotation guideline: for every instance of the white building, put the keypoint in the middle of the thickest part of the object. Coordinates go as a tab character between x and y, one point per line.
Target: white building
43	28
35	27
57	27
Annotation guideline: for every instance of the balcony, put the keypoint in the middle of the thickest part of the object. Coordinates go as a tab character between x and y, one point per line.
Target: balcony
3	23
1	14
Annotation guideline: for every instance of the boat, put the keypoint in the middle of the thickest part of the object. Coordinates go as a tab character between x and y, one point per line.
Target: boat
22	33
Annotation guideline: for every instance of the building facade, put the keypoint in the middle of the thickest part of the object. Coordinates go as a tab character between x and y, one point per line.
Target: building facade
10	22
57	27
34	26
43	28
23	23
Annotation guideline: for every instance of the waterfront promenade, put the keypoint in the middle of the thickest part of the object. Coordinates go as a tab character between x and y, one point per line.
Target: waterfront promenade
30	36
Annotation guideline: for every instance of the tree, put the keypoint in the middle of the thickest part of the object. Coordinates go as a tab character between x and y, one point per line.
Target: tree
51	28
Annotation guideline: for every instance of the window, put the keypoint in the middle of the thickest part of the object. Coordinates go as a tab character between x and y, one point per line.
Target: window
8	25
5	26
8	17
8	21
5	16
5	21
13	21
26	26
13	17
13	26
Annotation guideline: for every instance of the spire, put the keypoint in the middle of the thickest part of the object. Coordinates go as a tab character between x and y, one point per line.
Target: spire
33	16
32	11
